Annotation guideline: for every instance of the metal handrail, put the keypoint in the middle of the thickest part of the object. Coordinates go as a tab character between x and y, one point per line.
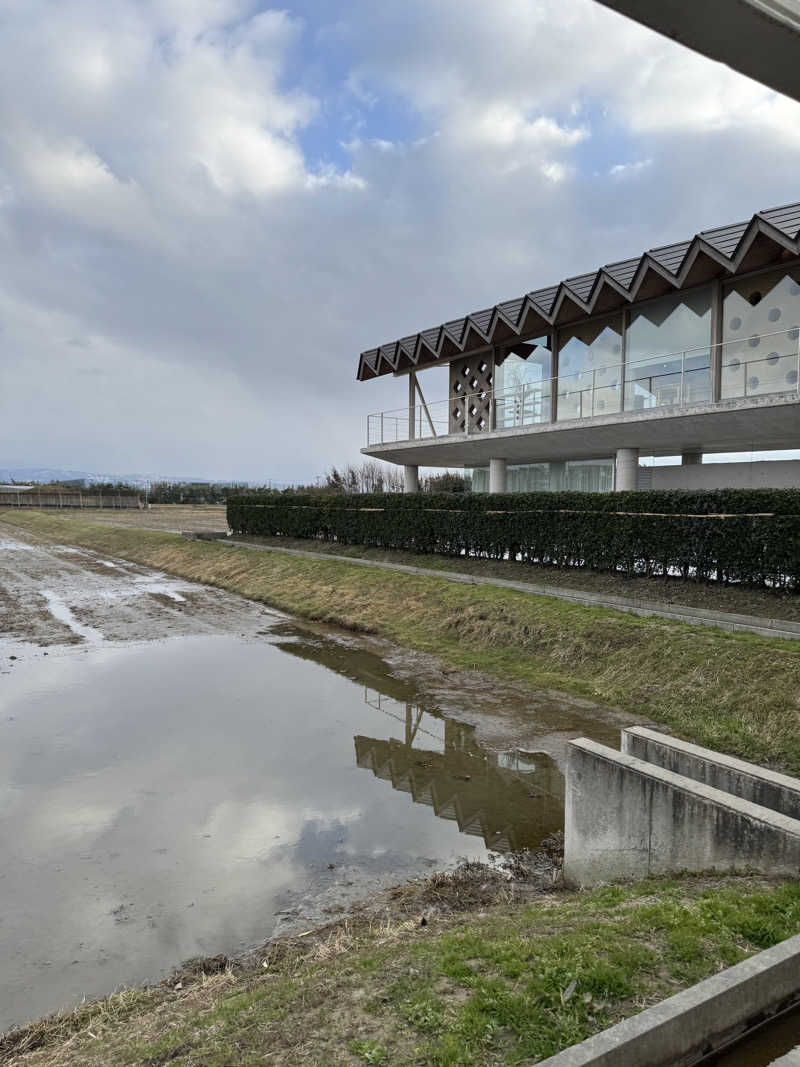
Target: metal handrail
540	393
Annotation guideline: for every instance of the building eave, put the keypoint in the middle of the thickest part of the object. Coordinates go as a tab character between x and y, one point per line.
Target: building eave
723	251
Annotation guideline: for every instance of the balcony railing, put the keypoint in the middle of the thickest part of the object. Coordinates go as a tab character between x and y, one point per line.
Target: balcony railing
679	379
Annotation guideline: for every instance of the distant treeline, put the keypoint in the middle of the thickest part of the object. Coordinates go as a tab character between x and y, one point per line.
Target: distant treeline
367	477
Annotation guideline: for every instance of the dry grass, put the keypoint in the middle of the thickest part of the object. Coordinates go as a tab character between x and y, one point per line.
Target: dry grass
510	983
738	693
173	518
742	600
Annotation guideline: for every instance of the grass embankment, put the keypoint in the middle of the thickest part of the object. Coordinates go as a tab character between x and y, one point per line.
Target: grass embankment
738	693
714	596
510	985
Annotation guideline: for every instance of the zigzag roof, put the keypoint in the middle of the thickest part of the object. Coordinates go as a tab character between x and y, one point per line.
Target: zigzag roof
723	251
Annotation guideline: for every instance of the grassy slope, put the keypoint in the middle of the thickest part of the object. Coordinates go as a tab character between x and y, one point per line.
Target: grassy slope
735	692
512	984
744	600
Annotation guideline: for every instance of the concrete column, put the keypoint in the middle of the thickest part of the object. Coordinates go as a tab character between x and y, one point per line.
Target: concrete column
411	478
497	475
627	469
691	459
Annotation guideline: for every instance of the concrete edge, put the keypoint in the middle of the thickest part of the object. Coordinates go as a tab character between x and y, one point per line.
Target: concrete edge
785	781
718	797
679	1031
755	624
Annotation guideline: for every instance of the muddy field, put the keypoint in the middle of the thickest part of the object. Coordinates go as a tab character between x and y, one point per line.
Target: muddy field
173	518
186	772
60	595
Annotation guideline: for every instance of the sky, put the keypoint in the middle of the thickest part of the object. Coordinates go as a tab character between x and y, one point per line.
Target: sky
209	208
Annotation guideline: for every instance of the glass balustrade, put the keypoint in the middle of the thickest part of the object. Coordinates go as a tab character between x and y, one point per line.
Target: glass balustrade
758	365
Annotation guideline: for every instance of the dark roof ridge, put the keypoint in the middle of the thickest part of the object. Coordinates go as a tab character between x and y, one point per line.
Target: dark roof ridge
386	358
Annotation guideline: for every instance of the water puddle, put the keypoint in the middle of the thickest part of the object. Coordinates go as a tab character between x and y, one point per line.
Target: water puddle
8	545
165	588
199	795
765	1046
60	611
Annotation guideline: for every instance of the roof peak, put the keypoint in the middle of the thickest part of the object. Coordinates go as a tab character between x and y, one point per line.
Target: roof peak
727	246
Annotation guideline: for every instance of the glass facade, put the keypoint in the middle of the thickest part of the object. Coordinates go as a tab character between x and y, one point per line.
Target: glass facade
760	329
667	352
656	354
585	475
522	384
589	369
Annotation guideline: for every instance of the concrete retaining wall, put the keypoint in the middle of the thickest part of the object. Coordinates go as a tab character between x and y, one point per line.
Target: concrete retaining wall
769	474
776	791
680	1031
625	818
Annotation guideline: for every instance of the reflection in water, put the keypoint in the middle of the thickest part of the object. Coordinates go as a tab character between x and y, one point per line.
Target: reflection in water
163	800
512	800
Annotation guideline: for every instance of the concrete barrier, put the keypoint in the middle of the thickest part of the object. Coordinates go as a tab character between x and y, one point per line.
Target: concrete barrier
746	780
625	818
683	1030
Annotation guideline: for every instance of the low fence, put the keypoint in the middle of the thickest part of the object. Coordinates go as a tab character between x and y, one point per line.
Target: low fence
750	536
54	498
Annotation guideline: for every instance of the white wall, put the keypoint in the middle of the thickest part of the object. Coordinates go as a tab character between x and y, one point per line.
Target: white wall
774	474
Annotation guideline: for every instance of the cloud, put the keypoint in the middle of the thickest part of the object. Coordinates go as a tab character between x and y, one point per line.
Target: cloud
225	203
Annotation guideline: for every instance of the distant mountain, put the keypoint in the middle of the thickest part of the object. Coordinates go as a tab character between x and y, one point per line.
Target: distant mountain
42	474
59	474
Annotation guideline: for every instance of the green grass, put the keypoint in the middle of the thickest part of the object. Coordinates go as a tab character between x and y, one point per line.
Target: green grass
737	693
509	986
739	599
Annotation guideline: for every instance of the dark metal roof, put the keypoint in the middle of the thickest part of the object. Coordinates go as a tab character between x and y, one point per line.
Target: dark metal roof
723	251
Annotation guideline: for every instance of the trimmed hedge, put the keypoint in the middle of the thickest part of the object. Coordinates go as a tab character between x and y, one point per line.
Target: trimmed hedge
726	535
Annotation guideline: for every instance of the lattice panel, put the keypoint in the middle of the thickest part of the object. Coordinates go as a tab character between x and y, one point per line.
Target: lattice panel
471	381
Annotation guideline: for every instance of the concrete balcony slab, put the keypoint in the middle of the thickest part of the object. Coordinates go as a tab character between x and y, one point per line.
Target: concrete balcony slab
753	423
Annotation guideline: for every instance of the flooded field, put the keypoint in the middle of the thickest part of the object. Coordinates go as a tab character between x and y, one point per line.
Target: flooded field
185	773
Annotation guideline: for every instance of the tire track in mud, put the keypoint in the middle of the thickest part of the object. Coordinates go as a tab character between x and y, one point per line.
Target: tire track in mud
60	595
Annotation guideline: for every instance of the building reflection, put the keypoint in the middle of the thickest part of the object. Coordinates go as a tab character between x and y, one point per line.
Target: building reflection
513	800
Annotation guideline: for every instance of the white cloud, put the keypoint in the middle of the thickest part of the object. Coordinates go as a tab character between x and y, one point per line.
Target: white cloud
161	202
627	170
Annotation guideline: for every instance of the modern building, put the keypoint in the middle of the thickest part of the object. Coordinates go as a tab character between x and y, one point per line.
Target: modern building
690	348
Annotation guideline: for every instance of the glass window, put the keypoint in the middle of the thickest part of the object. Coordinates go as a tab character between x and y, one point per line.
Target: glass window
586	475
479	479
761	324
589	369
667	351
522	384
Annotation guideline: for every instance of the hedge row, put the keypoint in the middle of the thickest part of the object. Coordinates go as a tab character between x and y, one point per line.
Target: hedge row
727	535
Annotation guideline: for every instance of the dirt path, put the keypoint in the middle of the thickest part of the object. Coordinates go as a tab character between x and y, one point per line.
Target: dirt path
60	595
